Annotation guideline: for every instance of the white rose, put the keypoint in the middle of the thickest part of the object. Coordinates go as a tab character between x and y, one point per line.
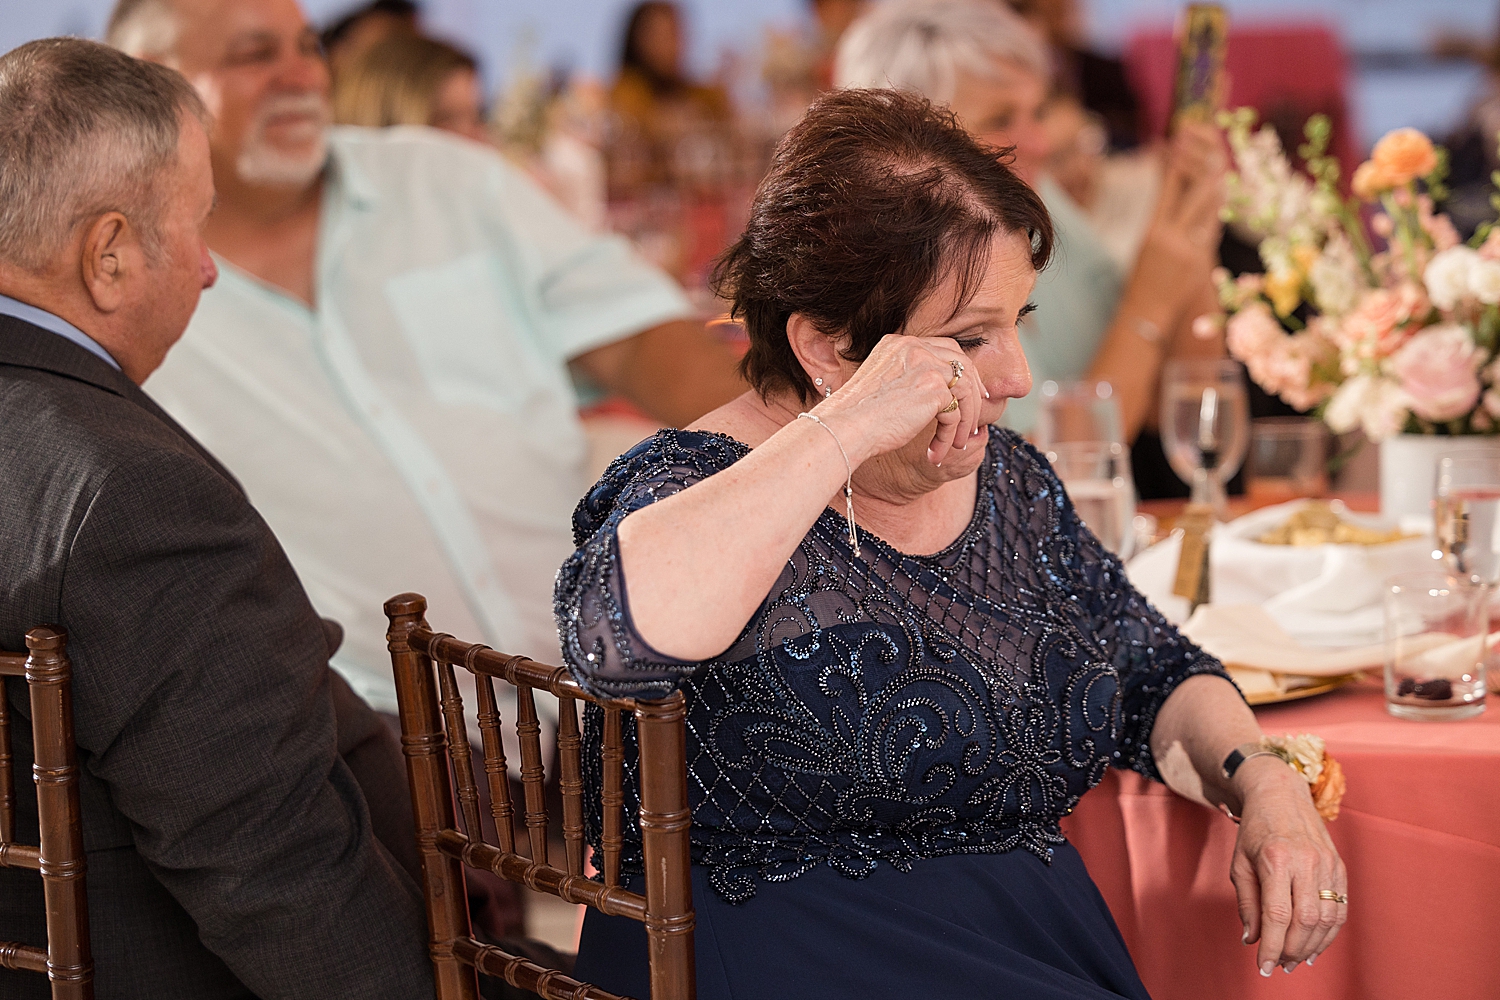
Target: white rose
1386	409
1344	408
1484	280
1447	276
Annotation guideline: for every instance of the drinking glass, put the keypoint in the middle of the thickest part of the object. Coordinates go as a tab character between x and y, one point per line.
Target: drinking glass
1435	630
1079	410
1466	514
1288	459
1097	477
1205	425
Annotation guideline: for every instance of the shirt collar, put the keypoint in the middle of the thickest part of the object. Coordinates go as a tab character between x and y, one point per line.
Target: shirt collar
345	171
56	324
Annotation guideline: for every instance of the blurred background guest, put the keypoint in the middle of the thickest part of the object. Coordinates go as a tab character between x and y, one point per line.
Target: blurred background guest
365	27
1096	81
1093	319
658	107
411	80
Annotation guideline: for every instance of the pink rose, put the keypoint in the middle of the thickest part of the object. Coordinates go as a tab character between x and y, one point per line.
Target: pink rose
1252	332
1439	370
1379	324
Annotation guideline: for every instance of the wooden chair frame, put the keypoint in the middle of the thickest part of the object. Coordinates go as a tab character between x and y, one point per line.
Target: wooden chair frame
60	859
435	740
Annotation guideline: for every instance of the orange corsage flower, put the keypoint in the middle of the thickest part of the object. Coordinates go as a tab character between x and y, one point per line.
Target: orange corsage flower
1309	757
1404	155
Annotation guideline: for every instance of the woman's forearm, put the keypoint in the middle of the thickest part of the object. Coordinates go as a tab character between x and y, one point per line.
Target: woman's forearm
697	564
1200	723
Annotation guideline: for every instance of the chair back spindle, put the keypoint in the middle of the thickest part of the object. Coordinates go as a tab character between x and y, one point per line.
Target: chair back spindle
435	740
59	858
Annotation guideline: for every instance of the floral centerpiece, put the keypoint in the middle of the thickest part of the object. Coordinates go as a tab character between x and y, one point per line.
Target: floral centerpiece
1394	340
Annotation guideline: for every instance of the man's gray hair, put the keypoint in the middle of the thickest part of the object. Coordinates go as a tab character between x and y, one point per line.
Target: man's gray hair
146	29
923	45
84	130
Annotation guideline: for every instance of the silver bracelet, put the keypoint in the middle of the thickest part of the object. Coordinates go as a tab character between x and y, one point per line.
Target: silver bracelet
848	479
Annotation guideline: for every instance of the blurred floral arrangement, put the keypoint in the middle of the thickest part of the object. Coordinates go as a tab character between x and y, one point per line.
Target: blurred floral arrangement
1396	340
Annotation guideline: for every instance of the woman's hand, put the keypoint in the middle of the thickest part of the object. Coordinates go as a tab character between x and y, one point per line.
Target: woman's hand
899	391
1282	858
1181	246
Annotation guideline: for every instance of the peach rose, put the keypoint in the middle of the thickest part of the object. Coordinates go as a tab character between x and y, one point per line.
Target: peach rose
1328	789
1371	180
1405	154
1380	323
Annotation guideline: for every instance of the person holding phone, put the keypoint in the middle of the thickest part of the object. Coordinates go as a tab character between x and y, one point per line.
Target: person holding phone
1092	320
904	656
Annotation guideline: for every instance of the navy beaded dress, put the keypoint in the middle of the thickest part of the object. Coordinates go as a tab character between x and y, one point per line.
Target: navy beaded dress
878	765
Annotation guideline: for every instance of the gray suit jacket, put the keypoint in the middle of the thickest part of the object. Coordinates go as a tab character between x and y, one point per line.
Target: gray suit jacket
230	849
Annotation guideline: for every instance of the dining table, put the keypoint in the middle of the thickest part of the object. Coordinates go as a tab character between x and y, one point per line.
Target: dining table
1419	831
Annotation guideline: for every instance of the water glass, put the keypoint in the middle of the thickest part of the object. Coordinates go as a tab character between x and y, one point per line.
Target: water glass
1288	459
1205	425
1466	514
1435	631
1097	477
1079	410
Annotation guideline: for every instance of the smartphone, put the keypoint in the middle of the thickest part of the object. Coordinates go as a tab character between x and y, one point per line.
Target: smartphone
1201	84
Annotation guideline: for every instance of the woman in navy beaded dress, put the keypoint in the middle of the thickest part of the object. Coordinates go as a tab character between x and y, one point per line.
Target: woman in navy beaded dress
895	695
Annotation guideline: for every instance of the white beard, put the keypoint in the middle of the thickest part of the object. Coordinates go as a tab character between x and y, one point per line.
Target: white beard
261	163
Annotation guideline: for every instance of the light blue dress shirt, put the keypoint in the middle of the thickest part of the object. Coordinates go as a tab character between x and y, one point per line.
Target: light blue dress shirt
58	325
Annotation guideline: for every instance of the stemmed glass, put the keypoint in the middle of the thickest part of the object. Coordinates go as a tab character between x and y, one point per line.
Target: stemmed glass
1205	426
1466	515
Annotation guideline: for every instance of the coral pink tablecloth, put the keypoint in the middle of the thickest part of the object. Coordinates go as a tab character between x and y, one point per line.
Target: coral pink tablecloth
1419	831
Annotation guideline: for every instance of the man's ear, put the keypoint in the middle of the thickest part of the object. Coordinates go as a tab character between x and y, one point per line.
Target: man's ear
111	259
818	352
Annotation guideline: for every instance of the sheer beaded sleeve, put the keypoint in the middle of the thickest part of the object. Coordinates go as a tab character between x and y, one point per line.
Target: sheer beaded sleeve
600	645
1147	652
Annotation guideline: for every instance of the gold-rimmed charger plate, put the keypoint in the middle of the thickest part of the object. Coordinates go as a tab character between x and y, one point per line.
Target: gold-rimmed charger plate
1323	686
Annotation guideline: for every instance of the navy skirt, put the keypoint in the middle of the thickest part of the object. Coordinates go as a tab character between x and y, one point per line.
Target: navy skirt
984	925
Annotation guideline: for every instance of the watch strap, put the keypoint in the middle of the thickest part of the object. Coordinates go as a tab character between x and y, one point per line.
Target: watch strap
1244	752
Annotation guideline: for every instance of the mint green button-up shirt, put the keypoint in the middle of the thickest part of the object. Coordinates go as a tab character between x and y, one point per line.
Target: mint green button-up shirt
418	430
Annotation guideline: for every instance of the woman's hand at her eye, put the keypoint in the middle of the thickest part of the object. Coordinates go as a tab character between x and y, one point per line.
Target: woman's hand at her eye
901	389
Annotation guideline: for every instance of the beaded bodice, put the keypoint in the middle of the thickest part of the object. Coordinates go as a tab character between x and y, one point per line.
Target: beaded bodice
884	707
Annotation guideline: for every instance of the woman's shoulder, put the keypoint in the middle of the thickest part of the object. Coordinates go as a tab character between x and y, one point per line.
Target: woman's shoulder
658	466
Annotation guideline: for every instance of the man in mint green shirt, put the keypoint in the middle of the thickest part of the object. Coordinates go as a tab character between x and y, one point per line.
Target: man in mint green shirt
384	363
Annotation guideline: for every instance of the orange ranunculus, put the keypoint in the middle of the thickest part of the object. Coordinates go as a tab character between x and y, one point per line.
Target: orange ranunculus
1405	154
1328	790
1371	180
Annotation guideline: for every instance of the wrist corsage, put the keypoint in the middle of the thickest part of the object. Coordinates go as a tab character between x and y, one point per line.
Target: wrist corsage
1309	757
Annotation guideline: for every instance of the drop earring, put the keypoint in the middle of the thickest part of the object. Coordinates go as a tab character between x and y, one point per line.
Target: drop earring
827	392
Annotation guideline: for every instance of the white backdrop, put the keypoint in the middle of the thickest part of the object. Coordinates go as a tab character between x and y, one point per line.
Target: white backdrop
585	35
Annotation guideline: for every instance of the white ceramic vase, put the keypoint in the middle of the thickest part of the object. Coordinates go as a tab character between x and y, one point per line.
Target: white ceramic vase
1408	469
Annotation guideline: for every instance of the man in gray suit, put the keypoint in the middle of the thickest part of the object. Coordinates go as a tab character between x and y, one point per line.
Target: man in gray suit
231	847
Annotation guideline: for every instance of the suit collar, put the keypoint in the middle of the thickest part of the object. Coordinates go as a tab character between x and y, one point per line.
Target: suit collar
24	345
27	345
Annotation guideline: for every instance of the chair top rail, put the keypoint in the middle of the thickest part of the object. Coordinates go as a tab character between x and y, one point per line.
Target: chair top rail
12	664
518	670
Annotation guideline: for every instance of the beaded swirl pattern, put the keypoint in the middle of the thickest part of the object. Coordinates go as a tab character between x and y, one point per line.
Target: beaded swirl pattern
883	707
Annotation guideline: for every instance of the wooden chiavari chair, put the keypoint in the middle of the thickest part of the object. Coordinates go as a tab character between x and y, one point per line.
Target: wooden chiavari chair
435	740
59	858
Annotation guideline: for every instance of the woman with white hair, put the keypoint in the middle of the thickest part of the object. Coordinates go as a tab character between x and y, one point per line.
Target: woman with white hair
1092	321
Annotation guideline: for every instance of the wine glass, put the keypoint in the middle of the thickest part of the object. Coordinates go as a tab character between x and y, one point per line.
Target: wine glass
1097	476
1205	426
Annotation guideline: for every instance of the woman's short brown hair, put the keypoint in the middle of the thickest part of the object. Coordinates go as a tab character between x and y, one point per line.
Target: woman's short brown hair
871	199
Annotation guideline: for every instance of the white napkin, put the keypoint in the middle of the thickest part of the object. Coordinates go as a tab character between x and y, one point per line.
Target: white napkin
1324	595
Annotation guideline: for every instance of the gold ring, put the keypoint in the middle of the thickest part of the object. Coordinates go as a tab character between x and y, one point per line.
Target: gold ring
1329	894
958	373
950	407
